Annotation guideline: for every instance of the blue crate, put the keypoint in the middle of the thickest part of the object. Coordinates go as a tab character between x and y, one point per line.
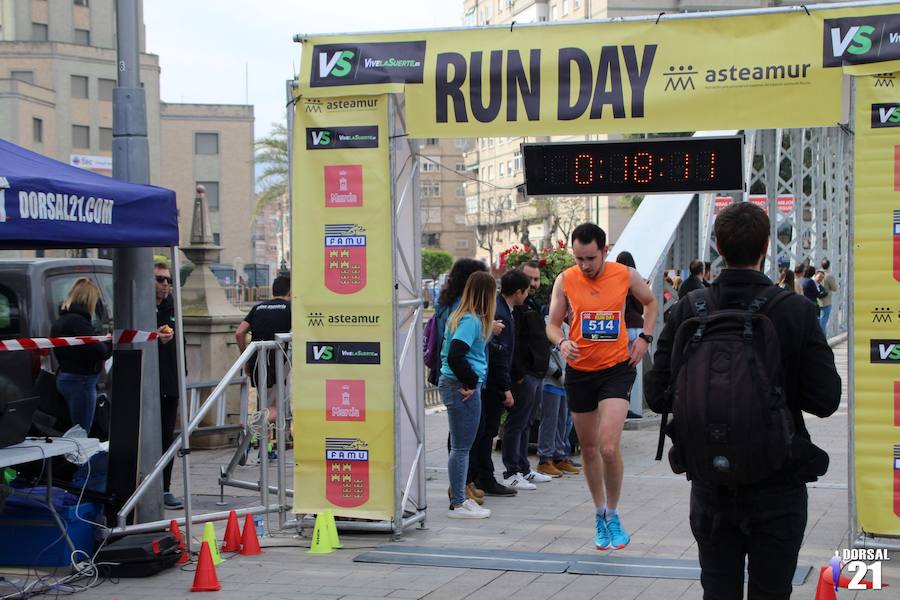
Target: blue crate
33	539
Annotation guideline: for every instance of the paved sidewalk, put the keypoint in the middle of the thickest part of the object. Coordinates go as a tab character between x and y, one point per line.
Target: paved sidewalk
557	518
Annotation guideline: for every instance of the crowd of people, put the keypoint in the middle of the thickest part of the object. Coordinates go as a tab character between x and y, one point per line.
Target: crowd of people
575	361
817	285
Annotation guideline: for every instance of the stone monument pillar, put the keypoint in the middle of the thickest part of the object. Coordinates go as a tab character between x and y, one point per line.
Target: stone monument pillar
209	319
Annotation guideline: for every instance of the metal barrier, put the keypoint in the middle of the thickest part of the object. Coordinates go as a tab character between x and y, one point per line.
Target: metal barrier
432	397
194	389
198	412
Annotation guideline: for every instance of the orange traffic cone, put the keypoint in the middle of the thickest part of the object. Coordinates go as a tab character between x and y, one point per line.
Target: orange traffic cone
232	542
825	589
249	541
176	531
205	579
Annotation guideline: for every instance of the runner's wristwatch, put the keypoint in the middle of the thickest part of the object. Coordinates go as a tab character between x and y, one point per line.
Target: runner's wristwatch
647	338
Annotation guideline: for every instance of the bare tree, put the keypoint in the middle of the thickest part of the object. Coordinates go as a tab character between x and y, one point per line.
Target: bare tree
487	222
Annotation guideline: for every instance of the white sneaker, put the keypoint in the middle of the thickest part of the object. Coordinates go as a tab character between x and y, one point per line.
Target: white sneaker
518	482
535	477
468	510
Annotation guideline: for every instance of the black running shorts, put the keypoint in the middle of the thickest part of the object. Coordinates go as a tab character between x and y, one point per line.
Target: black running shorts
585	389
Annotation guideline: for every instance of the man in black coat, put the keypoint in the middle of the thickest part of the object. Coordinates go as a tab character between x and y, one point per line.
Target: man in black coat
695	281
497	393
168	372
529	365
763	522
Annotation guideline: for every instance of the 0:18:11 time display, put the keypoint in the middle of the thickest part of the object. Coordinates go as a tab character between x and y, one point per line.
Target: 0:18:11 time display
634	166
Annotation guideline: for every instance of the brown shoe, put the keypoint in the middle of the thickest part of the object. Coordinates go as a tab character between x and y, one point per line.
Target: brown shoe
565	466
472	495
475	491
548	469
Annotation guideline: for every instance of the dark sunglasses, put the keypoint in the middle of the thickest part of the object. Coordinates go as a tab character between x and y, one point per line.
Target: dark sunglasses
162	279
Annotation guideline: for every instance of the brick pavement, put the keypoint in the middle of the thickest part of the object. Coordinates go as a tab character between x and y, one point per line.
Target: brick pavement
558	517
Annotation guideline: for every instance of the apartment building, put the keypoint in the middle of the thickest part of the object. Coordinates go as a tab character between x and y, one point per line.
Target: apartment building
496	205
442	193
57	75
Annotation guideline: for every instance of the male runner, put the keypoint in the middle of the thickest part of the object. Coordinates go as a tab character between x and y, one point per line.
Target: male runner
600	370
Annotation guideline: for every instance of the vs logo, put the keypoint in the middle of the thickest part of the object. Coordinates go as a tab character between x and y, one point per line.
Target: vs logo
336	64
322	353
885	351
319	137
886	115
860	40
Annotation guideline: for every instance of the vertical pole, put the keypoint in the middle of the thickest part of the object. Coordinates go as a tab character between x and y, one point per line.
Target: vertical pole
851	333
182	398
398	450
262	375
133	267
280	427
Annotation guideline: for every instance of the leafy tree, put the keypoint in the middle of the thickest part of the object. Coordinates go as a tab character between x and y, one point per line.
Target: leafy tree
272	152
435	262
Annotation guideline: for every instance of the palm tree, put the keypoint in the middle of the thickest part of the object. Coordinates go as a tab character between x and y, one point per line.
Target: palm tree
272	153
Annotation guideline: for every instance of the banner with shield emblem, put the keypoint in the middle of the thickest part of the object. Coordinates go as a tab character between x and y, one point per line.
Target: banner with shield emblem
343	394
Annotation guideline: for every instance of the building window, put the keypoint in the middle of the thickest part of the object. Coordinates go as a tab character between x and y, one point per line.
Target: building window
206	143
83	37
105	89
81	136
26	76
37	130
38	32
462	244
460	191
80	2
471	205
502	169
217	239
431	141
79	86
509	167
517	160
565	7
431	189
212	194
431	240
428	164
460	166
106	138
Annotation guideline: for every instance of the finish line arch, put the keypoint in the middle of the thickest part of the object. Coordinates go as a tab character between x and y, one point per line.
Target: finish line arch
357	386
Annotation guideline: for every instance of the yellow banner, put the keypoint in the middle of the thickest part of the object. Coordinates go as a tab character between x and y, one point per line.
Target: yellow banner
343	374
759	71
876	315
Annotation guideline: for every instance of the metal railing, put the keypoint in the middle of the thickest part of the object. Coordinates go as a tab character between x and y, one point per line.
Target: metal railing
198	413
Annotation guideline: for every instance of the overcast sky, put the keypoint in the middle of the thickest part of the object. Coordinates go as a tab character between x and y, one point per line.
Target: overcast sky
205	46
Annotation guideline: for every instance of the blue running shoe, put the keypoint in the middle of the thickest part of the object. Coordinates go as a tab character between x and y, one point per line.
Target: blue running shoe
602	541
618	537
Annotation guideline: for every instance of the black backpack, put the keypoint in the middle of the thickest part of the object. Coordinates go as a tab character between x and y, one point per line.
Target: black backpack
731	423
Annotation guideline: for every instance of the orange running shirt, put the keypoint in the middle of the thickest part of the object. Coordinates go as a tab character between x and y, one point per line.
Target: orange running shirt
598	316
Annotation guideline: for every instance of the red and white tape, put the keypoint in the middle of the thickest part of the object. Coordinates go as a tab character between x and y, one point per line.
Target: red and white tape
121	336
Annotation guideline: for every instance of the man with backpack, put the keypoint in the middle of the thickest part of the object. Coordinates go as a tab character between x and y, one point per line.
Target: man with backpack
736	364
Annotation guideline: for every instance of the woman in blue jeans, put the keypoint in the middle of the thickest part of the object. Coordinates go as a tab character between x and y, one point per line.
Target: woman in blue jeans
79	366
463	368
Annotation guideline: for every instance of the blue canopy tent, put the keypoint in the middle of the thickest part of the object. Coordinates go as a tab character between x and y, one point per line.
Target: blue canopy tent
48	204
45	203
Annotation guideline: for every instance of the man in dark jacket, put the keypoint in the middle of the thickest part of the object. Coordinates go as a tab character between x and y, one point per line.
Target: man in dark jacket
530	360
497	393
695	281
764	522
168	371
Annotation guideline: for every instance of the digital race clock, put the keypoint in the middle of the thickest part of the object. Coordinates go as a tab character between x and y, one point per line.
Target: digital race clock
690	164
